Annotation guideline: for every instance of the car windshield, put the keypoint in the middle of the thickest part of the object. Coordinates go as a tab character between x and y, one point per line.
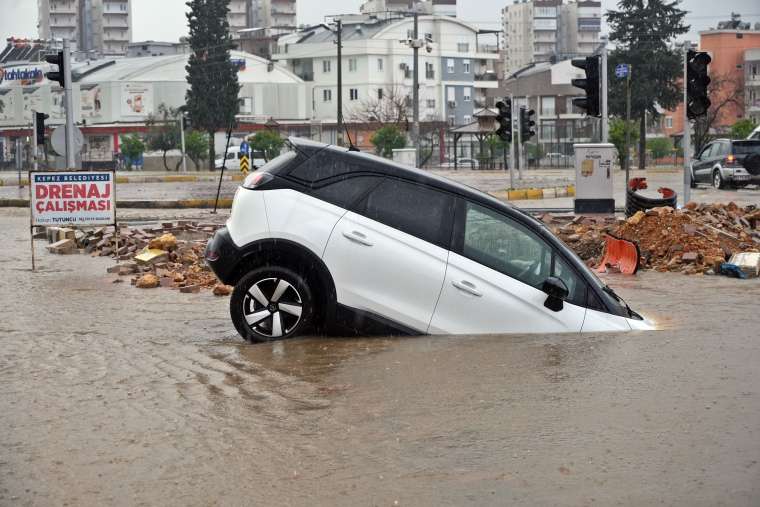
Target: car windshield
746	147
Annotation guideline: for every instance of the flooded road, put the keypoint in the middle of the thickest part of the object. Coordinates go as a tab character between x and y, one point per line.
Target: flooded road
114	396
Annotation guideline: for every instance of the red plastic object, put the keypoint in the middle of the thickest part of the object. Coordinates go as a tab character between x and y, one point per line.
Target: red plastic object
637	184
667	193
621	254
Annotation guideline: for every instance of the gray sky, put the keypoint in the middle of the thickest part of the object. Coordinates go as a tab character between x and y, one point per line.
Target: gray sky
165	20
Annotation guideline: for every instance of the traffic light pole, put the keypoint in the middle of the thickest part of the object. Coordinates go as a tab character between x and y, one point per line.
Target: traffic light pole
69	103
686	128
512	126
603	76
34	139
627	157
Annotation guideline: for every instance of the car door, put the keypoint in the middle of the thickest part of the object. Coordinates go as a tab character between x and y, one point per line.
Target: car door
388	255
699	164
493	276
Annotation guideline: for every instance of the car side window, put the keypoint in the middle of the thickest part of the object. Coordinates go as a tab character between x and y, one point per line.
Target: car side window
323	165
503	244
423	212
705	152
347	190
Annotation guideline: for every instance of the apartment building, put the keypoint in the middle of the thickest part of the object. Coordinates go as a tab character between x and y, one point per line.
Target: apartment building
435	7
752	83
262	14
103	27
549	31
455	73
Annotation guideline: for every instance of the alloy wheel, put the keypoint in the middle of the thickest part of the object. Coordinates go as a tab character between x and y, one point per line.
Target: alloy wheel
272	307
717	180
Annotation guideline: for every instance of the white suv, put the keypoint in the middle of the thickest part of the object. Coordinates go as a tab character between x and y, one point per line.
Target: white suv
325	238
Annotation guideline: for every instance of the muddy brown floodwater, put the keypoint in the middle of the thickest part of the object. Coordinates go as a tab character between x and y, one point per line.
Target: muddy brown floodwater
114	396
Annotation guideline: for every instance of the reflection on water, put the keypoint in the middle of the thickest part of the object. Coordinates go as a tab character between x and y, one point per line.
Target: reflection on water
112	395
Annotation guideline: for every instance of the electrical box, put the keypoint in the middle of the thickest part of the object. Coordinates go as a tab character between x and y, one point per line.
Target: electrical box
593	178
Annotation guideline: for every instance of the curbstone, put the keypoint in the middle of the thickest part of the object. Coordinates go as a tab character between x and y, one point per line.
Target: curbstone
549	193
571	191
534	193
517	195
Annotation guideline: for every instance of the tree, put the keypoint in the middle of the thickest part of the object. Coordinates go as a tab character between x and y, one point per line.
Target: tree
132	147
618	129
196	147
743	128
725	92
387	139
267	141
660	147
212	99
643	32
391	107
163	131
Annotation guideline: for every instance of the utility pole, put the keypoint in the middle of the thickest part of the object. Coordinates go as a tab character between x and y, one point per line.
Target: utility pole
686	128
605	87
520	157
627	158
69	103
340	81
182	140
34	139
416	90
512	126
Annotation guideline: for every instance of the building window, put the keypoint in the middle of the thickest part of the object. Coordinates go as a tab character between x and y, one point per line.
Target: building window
354	93
467	94
466	64
429	71
431	103
547	106
379	94
668	122
463	47
326	66
450	65
380	63
467	119
352	64
452	120
327	95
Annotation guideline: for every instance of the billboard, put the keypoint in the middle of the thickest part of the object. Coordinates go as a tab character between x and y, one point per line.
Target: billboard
91	100
76	198
136	99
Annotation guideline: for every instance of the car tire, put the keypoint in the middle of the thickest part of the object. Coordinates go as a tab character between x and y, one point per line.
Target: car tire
271	303
717	180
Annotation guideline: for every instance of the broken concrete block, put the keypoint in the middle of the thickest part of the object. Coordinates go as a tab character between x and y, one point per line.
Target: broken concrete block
65	246
222	290
749	263
165	242
690	257
148	281
637	218
151	256
190	289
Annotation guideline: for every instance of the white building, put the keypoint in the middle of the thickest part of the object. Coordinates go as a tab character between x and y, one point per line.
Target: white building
549	30
262	14
437	7
455	71
100	26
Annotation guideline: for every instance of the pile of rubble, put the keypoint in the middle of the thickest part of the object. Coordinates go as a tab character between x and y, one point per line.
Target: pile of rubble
169	255
697	239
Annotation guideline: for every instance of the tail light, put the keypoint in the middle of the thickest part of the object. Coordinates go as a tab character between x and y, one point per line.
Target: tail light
256	179
730	160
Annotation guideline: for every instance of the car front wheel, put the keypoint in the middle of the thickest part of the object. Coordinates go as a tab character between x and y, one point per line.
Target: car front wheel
271	303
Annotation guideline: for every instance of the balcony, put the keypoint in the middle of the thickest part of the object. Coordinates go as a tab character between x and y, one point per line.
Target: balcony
486	76
488	48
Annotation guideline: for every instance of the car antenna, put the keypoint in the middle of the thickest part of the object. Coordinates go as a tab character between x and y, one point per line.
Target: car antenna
351	146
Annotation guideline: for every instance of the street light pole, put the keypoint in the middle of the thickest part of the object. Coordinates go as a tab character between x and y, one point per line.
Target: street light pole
686	128
627	157
340	80
416	90
69	105
603	76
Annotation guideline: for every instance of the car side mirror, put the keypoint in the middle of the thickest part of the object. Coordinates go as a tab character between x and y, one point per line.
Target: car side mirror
557	292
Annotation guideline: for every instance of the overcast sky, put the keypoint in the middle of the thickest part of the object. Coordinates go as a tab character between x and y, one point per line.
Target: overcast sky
165	20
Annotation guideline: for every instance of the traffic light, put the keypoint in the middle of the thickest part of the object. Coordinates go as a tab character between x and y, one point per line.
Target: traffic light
526	124
591	103
697	81
57	59
186	125
40	127
504	120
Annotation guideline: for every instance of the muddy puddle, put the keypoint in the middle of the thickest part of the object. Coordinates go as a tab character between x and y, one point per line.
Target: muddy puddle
114	396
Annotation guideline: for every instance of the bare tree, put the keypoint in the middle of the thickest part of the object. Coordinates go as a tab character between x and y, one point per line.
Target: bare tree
725	91
392	108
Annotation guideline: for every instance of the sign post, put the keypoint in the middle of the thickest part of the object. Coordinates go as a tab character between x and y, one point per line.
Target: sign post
623	71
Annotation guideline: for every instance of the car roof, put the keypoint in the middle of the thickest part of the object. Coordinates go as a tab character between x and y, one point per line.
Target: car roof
391	168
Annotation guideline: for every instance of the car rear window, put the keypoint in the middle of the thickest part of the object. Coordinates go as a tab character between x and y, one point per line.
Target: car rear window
746	147
324	165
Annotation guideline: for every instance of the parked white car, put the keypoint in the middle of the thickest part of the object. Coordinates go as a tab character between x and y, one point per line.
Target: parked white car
462	163
322	236
233	159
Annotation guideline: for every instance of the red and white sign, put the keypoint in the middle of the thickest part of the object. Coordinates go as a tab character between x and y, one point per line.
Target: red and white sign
73	198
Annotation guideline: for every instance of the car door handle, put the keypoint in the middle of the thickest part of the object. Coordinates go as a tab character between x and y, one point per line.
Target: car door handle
467	287
357	237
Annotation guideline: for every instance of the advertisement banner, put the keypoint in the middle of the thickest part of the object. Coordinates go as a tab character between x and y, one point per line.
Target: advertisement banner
7	105
32	98
136	99
91	100
73	198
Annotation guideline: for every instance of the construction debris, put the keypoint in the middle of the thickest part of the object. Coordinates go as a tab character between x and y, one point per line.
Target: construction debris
172	253
697	239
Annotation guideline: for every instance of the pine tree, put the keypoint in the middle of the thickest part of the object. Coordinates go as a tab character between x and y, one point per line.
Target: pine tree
643	32
212	100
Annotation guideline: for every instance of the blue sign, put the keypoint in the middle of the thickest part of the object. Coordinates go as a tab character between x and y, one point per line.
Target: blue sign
622	70
245	148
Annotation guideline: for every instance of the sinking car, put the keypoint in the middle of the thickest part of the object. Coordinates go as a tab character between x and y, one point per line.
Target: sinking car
323	236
